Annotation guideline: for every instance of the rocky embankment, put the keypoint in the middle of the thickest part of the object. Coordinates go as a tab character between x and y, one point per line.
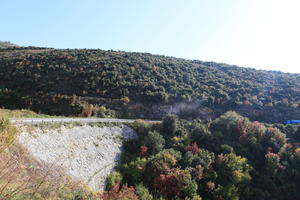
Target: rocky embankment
86	153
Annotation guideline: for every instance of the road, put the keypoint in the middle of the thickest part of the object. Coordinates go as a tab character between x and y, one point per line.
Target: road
82	120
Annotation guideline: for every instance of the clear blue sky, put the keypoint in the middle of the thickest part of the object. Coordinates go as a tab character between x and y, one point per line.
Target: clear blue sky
253	33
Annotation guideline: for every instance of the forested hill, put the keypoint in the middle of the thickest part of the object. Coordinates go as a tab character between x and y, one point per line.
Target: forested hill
63	81
7	45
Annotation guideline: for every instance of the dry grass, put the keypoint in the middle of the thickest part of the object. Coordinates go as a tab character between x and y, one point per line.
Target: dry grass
8	134
24	178
21	114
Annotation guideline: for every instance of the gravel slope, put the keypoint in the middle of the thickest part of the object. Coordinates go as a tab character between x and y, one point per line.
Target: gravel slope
85	153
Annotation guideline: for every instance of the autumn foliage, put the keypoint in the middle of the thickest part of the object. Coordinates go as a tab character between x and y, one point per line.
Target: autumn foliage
119	193
192	148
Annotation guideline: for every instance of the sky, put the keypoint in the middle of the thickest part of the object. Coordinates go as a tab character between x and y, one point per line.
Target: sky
262	34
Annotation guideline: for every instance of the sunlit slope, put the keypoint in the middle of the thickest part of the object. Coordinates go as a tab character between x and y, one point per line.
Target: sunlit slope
54	81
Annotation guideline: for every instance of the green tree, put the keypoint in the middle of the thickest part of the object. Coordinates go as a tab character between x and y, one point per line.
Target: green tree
169	124
154	141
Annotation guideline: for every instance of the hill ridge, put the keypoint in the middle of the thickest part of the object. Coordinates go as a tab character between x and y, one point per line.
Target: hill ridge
56	81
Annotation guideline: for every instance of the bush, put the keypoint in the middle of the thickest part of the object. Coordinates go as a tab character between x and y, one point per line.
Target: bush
143	192
89	110
116	193
134	171
169	124
226	149
201	134
227	122
8	133
103	112
168	156
154	141
141	127
113	180
177	182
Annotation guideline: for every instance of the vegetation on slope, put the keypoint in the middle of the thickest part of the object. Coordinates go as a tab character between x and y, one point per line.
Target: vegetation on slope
6	44
230	158
23	178
6	113
8	133
60	82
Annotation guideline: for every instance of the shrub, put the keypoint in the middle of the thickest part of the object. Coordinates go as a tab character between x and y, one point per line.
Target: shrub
297	152
126	100
169	124
192	148
154	141
143	150
201	134
143	192
141	127
273	163
7	133
104	112
177	182
89	110
226	148
114	179
21	180
227	122
169	156
233	175
116	193
134	170
203	158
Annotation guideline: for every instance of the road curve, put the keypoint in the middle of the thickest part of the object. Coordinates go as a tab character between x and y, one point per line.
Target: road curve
82	120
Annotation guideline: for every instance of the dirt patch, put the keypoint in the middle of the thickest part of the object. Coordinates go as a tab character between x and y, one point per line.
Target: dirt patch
85	153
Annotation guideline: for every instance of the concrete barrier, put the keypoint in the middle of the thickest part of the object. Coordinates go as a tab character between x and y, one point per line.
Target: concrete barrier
84	120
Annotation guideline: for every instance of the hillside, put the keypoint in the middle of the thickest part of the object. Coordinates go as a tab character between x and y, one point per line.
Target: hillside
229	158
64	81
87	153
4	45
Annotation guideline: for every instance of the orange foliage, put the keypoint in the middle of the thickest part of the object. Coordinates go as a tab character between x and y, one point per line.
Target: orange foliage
285	100
170	158
295	105
254	98
199	172
297	152
143	150
125	193
210	186
89	110
246	102
171	184
192	148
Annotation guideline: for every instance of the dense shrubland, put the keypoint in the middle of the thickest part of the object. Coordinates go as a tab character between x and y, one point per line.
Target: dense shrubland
60	82
229	158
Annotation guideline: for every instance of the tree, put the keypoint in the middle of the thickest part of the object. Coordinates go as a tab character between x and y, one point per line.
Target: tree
272	163
233	175
143	192
169	124
154	141
177	182
114	180
119	193
134	171
192	148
